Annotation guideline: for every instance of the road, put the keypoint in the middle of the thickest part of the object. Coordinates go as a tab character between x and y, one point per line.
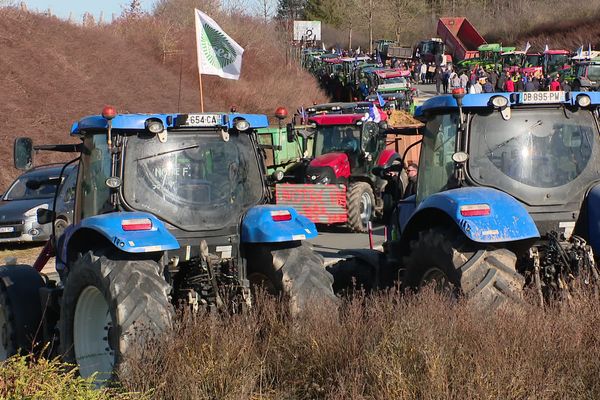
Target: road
333	239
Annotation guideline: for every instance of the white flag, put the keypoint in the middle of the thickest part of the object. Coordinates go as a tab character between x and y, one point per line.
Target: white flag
546	49
218	54
527	46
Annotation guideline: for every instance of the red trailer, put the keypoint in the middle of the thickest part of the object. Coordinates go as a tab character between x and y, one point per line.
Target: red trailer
460	36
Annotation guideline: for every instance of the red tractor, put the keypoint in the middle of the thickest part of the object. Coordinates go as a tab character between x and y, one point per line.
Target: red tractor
334	183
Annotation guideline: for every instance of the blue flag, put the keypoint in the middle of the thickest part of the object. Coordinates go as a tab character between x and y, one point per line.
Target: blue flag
373	114
381	100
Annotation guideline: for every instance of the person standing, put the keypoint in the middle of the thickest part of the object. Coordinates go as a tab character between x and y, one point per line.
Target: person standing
493	78
438	79
555	85
454	81
501	84
411	188
423	71
464	79
445	80
510	84
476	88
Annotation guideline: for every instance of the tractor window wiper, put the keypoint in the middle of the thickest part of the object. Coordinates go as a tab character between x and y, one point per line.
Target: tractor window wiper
507	141
168	152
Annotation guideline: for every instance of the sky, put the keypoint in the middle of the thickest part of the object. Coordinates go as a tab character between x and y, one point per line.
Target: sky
62	8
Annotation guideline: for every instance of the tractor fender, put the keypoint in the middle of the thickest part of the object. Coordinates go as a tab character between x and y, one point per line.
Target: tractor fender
593	207
387	157
508	220
109	226
276	223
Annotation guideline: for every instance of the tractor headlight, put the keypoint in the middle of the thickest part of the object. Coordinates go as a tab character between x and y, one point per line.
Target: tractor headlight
154	126
241	125
583	100
499	101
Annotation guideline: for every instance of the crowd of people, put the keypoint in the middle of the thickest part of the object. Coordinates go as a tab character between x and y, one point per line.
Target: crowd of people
479	80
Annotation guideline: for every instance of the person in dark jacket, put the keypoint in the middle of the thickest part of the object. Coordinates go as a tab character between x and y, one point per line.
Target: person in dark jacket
529	86
412	171
493	78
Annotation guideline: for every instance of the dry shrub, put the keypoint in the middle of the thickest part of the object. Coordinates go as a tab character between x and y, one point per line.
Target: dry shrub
389	346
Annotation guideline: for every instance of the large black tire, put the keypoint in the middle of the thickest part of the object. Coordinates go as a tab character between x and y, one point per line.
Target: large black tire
293	271
361	203
20	309
352	274
486	276
109	300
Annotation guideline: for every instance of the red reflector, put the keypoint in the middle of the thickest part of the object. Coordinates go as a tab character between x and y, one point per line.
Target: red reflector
138	224
281	215
475	210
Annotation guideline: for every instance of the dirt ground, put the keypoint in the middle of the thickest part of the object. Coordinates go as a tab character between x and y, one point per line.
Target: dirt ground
24	254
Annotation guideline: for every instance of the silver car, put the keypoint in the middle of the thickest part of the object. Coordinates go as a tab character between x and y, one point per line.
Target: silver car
31	191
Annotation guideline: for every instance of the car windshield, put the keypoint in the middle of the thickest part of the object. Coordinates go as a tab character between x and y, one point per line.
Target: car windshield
535	148
332	138
397	80
594	72
195	181
32	187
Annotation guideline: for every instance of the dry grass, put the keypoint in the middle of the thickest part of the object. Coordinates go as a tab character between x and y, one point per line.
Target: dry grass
62	72
385	347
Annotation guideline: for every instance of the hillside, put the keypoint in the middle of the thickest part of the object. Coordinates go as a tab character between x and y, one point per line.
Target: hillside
53	72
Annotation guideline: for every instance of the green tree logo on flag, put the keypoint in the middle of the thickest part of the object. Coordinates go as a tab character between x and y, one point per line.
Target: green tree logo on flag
216	48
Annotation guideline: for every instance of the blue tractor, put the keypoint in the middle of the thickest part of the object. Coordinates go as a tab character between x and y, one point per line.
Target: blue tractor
508	195
170	210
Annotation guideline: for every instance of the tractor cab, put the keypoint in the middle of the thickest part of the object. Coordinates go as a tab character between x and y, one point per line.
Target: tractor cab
341	147
539	148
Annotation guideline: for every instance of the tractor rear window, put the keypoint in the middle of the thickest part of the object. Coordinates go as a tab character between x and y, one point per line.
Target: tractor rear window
535	148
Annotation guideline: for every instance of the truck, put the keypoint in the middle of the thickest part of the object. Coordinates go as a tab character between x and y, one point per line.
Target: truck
171	210
509	199
460	37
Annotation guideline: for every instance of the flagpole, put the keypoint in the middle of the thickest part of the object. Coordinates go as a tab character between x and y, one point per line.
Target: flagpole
200	81
196	23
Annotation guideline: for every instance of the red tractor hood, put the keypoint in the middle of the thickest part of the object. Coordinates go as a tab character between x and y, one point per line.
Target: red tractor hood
337	161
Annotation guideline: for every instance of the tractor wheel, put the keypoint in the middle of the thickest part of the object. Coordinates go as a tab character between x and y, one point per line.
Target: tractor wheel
360	203
487	277
109	300
293	272
352	274
20	309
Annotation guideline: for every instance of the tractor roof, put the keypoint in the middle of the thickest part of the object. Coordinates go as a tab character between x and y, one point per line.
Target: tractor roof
336	119
483	100
392	73
169	121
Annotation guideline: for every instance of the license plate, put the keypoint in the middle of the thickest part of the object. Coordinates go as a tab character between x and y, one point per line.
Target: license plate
542	97
6	229
203	120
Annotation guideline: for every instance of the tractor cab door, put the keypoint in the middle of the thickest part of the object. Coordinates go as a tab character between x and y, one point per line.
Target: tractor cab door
370	146
436	173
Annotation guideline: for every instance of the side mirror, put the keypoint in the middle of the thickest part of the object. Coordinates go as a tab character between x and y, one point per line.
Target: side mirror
23	153
291	137
45	216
